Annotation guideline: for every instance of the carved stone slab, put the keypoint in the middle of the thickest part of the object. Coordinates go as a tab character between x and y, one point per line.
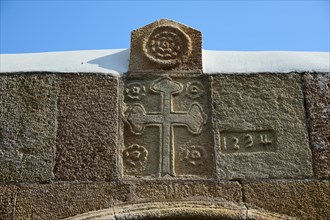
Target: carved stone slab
261	130
167	127
165	45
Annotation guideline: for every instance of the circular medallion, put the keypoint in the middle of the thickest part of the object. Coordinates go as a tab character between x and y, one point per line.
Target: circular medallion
167	45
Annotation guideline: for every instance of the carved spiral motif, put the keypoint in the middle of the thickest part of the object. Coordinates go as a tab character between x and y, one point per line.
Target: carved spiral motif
135	156
167	45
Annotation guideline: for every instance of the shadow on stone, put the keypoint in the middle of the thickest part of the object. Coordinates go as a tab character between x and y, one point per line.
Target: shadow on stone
117	61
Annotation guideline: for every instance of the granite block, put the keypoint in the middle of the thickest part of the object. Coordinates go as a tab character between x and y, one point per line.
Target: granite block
86	145
61	200
317	88
304	199
27	127
261	127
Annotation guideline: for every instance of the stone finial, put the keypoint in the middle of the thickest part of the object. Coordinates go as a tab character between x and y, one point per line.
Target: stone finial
166	45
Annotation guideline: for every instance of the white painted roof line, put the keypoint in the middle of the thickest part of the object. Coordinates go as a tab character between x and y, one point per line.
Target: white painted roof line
115	62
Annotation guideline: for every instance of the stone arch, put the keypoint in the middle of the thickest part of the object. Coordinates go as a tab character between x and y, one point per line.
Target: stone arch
180	210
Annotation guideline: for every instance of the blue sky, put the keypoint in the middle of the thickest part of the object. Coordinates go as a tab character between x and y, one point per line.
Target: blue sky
42	26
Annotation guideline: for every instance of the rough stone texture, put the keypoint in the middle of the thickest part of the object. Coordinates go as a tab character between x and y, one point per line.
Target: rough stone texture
187	190
197	210
104	214
271	105
317	88
7	201
178	210
254	214
87	128
27	127
61	200
165	45
301	199
181	210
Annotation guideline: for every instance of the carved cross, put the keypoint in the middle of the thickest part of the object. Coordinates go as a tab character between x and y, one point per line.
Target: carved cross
194	120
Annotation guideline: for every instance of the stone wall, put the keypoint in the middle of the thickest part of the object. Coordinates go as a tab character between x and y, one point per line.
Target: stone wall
165	140
59	146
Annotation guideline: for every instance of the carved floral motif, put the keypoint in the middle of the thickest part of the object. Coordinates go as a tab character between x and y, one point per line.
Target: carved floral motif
195	155
135	156
195	89
167	45
135	91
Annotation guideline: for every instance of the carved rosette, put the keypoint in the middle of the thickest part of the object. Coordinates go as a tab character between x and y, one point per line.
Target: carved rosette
195	89
167	45
135	156
135	91
195	155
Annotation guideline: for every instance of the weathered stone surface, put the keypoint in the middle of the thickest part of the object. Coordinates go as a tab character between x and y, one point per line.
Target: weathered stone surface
165	45
178	210
167	128
261	127
196	210
27	127
7	201
254	214
103	214
317	87
61	200
301	199
187	190
87	128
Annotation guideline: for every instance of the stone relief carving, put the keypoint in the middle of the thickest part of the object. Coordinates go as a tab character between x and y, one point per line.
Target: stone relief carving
135	90
135	156
167	108
169	115
167	45
195	89
248	141
195	155
194	119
